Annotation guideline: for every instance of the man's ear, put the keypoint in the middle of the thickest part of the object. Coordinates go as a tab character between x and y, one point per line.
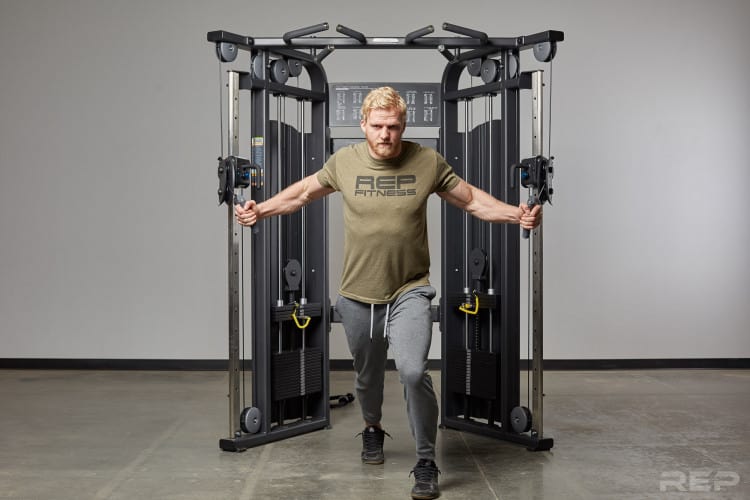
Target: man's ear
362	124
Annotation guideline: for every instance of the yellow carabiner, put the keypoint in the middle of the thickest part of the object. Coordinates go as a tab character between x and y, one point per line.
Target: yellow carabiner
296	321
465	307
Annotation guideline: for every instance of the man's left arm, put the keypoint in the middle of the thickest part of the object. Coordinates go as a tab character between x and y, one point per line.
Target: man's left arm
484	206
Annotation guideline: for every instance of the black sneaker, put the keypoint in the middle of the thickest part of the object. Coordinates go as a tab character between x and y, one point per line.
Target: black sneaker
372	445
426	480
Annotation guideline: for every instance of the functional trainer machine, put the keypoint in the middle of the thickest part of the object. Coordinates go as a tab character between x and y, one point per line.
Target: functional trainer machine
477	131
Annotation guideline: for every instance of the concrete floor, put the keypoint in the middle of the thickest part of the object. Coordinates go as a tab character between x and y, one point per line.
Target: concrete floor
154	435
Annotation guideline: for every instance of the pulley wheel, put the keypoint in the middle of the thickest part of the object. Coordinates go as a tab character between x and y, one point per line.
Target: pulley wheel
295	67
474	67
259	71
511	62
223	173
227	52
279	71
250	420
293	274
545	51
477	263
520	419
490	70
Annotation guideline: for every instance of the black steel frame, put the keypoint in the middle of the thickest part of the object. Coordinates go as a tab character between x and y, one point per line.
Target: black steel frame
492	352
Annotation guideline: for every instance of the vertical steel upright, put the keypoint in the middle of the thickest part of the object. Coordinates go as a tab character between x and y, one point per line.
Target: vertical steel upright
233	259
537	263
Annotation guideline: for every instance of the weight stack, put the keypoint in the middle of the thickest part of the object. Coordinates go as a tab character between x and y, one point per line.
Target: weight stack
296	373
473	373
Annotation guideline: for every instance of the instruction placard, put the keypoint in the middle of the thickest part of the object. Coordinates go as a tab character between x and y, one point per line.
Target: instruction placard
422	102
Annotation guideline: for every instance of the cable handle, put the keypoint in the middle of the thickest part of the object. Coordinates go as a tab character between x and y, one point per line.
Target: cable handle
239	199
532	202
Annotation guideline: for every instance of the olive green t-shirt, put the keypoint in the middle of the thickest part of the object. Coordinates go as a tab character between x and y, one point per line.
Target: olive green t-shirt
385	217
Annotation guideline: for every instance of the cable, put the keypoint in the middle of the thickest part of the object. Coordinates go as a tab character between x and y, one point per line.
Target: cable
242	310
529	306
466	217
549	115
221	113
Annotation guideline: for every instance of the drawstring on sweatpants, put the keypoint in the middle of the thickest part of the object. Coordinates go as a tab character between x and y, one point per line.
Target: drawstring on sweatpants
385	324
372	316
372	319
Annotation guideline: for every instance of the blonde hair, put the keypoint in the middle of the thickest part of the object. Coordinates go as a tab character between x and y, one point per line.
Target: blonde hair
384	98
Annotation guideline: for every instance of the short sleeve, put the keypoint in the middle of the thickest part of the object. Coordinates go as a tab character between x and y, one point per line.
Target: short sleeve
445	178
327	175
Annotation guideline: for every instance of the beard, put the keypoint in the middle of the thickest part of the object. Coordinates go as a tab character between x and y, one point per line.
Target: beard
386	149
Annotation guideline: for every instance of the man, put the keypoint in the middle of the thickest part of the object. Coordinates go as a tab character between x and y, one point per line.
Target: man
385	294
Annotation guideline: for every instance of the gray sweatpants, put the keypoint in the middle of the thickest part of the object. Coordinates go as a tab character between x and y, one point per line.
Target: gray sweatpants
409	333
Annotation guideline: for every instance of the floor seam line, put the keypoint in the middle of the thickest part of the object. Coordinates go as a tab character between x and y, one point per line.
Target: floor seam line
479	466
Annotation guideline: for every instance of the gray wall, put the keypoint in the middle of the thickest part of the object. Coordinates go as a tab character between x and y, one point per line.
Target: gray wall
113	246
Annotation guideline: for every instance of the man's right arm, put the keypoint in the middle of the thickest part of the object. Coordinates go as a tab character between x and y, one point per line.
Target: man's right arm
287	201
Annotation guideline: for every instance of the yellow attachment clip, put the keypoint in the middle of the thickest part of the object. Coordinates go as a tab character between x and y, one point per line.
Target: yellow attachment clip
296	320
467	306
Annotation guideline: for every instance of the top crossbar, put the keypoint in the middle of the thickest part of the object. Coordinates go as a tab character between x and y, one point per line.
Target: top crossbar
298	39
